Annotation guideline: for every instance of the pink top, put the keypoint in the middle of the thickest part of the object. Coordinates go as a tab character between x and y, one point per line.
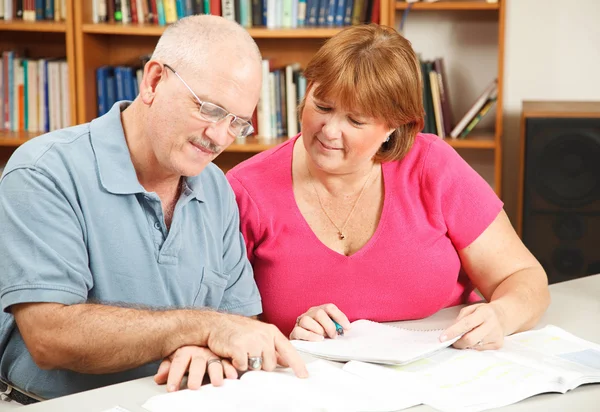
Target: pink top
434	205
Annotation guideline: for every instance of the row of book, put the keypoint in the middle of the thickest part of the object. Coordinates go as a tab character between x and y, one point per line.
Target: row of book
34	94
248	13
33	10
447	1
436	102
276	112
115	83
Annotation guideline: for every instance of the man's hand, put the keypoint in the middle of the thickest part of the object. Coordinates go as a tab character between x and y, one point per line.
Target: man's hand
195	360
238	338
480	326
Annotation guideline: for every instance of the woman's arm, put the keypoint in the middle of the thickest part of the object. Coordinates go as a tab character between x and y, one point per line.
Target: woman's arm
510	278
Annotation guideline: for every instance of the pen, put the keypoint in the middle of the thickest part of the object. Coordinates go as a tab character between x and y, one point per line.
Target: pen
338	328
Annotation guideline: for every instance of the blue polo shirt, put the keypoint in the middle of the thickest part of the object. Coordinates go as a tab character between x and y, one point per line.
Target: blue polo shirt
76	226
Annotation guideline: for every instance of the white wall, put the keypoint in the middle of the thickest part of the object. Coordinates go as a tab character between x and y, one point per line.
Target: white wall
552	53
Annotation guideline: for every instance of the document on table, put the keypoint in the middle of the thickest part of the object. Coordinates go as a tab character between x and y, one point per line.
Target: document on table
377	343
533	362
328	388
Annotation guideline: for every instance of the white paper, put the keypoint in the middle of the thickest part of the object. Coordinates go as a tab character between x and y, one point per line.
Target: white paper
378	343
328	388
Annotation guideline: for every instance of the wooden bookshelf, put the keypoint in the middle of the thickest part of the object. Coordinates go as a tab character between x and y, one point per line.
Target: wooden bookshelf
15	139
35	26
448	5
477	139
39	39
116	43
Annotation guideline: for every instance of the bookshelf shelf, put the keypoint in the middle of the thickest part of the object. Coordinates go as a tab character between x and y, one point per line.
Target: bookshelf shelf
475	141
15	139
36	26
257	32
254	145
455	5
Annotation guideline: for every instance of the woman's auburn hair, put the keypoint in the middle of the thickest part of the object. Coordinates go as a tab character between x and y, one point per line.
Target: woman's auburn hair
374	71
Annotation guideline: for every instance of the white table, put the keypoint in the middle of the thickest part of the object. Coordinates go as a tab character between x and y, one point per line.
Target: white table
575	307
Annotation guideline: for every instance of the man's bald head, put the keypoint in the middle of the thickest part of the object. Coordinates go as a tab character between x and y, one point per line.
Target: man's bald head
192	41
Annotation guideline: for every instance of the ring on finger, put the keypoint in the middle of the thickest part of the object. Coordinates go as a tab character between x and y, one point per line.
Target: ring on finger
255	363
214	360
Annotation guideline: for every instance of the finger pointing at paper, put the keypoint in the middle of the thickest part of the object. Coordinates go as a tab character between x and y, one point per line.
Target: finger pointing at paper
479	326
320	322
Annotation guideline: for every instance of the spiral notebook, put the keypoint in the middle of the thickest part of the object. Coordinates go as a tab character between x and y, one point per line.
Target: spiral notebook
377	343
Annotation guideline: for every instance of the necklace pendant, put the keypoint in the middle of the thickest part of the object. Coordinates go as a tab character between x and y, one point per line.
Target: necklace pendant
342	236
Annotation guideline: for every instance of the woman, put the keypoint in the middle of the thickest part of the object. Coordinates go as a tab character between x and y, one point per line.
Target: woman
363	217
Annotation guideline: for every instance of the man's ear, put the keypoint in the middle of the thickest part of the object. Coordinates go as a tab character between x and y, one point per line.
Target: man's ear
153	71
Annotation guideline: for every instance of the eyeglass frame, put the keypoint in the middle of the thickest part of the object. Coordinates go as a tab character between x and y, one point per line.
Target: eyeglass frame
245	123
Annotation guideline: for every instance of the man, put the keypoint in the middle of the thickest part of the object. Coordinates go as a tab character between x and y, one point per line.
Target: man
117	235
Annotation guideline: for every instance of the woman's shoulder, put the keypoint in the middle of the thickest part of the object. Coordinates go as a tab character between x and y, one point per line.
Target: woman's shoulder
265	165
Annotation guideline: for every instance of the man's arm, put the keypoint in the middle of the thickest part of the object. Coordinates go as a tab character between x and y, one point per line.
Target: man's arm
98	339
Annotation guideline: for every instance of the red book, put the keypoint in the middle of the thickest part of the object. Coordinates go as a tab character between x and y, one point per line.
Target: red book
215	7
376	12
133	9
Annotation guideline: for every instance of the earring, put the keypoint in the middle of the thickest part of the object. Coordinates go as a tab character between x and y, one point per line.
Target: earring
387	139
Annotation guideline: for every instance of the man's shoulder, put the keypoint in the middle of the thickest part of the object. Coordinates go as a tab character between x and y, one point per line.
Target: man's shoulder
52	151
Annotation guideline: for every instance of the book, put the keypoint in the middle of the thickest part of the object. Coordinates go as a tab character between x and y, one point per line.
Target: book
533	362
282	391
472	112
374	342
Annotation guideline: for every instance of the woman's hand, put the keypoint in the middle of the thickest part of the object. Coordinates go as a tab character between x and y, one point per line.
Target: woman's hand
197	361
318	323
480	326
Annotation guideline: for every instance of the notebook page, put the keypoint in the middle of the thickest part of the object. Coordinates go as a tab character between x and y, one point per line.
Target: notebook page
328	388
378	343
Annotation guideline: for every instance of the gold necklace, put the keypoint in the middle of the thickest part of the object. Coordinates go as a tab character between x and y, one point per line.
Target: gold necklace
340	230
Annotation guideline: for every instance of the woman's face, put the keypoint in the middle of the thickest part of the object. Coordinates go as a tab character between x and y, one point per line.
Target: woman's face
337	139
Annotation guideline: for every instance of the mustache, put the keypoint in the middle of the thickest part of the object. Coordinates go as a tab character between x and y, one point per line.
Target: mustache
206	144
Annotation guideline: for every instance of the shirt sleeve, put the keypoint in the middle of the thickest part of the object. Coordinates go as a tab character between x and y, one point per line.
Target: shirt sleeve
457	194
42	246
250	218
241	294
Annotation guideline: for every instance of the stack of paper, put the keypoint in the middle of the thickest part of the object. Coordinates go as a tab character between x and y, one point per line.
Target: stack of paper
378	343
328	388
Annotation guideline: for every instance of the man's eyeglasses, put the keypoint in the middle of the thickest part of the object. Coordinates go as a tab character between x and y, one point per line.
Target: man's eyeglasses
238	127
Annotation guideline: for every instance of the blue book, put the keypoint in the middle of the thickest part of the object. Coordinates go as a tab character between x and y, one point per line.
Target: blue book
348	12
322	12
39	9
180	8
49	14
330	12
120	83
128	80
312	12
111	89
340	12
46	99
160	10
102	89
25	64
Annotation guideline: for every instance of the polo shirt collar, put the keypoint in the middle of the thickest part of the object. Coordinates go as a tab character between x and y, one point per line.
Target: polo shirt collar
117	174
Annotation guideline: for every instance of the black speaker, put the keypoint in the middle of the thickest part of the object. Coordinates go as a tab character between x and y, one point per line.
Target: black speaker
560	216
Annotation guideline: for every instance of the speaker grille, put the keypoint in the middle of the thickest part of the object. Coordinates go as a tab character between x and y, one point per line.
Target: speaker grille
561	208
568	170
